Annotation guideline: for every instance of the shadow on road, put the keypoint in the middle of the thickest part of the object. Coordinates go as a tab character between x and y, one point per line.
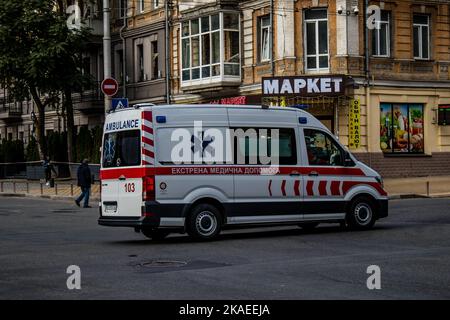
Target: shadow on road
239	234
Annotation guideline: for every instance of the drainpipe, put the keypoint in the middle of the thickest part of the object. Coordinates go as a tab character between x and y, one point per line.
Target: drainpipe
366	43
167	54
124	66
106	49
367	76
272	60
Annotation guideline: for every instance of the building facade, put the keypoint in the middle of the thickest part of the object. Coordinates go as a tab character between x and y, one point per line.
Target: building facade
381	85
292	53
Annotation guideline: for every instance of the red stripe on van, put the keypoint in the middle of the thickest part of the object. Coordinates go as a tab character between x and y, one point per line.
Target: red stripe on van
148	153
147	141
109	174
147	129
323	188
147	115
350	184
335	188
270	187
227	170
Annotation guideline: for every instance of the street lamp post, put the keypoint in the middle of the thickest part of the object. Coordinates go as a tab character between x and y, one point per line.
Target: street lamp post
106	49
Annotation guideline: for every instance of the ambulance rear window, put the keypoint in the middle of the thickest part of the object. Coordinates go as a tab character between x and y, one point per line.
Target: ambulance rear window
122	149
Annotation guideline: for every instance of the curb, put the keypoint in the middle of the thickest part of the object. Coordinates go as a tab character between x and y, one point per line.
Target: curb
418	196
48	197
96	199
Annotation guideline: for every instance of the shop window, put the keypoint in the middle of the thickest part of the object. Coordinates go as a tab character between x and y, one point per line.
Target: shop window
401	128
316	39
444	115
210	48
421	36
264	38
381	36
322	149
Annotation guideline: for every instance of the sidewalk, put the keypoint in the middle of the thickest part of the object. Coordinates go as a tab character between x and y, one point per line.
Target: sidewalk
433	187
63	190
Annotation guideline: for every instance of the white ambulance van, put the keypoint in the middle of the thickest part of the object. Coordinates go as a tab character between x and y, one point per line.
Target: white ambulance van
202	168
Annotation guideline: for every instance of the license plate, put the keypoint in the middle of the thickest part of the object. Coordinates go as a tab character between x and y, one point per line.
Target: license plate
110	208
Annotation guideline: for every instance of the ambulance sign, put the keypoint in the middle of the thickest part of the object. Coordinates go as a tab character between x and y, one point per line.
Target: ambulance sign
354	124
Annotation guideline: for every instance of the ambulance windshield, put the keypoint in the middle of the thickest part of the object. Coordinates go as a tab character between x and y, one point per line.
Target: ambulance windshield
121	149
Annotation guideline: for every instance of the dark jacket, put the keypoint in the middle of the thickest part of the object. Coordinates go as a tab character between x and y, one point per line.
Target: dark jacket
84	176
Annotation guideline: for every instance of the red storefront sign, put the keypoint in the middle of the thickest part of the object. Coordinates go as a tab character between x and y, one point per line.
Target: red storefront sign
233	100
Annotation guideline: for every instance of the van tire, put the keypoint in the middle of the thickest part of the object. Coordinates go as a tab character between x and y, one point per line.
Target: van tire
204	222
308	226
155	234
361	214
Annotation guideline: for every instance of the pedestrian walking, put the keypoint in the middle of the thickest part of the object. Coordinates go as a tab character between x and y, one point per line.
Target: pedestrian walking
84	182
48	168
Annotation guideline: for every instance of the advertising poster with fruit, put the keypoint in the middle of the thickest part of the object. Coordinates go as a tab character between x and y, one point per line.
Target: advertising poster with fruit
401	128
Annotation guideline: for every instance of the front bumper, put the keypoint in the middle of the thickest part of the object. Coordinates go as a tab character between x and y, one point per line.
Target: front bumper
383	208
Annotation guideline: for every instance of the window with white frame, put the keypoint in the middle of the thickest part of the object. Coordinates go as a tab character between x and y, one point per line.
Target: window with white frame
421	36
264	38
156	4
141	5
381	36
316	39
210	47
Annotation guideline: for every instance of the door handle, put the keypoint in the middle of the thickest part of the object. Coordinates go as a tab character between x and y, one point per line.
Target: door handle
294	174
122	178
313	174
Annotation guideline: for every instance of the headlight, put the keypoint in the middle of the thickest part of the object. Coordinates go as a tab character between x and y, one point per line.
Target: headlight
380	181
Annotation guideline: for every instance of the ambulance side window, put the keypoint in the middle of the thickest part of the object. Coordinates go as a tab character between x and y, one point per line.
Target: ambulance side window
248	141
322	150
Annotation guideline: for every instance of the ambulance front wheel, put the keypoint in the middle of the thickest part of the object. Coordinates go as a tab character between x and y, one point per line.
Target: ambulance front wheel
361	214
204	222
155	234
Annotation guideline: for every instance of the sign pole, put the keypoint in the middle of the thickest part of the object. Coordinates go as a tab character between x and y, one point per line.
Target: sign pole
106	49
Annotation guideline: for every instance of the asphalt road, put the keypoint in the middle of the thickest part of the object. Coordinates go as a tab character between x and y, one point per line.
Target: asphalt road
40	238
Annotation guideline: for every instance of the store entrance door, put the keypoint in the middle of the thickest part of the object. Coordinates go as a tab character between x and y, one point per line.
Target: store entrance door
328	121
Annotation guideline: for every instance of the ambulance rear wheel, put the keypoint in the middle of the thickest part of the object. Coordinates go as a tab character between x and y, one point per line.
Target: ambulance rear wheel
155	234
361	214
204	222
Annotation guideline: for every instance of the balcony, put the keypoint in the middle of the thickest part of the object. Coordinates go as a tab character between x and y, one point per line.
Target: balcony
9	112
210	51
89	100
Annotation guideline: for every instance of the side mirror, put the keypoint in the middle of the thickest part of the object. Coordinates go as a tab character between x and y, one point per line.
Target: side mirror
348	161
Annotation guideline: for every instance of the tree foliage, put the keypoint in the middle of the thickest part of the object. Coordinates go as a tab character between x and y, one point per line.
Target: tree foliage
40	57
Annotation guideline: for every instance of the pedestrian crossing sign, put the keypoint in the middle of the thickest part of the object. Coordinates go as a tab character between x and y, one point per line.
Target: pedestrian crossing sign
119	103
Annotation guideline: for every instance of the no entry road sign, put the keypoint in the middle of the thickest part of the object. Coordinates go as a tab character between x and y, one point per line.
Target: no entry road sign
110	86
